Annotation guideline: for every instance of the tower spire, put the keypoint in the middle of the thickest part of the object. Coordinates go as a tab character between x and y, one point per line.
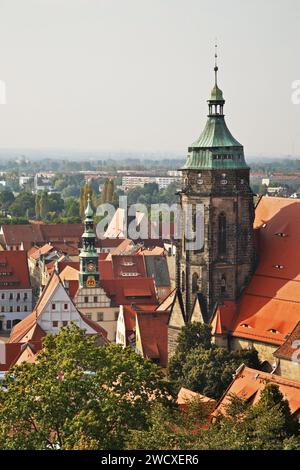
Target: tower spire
216	64
89	273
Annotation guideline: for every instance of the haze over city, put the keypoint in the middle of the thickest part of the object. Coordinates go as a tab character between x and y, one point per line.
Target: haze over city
134	76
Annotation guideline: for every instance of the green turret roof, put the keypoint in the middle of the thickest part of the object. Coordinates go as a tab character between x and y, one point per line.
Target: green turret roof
89	213
216	148
216	94
216	134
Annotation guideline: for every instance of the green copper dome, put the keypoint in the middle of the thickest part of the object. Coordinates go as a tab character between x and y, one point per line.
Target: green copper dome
216	94
89	210
216	134
216	148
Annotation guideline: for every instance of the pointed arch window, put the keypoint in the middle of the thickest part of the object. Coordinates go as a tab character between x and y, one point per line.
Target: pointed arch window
223	284
222	235
195	280
183	281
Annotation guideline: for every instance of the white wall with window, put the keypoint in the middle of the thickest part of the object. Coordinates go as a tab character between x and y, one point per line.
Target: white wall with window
15	304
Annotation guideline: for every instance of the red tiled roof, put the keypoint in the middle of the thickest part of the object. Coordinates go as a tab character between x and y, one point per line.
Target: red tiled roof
31	234
154	335
9	352
124	265
123	247
109	242
129	314
61	232
185	396
123	291
274	290
248	384
68	248
137	292
167	302
98	329
35	252
62	264
130	290
106	269
14	263
28	234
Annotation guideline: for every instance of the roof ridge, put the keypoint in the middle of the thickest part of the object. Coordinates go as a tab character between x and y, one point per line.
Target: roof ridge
279	378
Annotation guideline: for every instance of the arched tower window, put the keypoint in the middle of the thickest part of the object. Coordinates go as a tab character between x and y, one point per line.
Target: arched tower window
183	281
194	219
222	238
223	284
195	283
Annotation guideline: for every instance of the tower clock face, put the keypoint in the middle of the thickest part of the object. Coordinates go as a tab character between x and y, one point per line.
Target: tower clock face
91	266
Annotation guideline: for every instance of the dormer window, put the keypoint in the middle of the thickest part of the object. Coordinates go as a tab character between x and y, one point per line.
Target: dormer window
279	266
245	325
272	330
281	234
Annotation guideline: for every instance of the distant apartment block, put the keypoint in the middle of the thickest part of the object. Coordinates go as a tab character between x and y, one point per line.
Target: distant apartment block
130	182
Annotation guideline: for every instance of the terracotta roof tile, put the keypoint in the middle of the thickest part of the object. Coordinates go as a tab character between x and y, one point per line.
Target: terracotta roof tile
35	252
274	290
154	335
9	353
14	263
248	384
185	396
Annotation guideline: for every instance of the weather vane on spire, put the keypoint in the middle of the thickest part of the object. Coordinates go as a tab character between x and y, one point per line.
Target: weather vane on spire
216	62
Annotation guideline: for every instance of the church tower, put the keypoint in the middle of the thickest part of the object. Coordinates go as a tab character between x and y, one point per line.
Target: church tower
89	271
216	176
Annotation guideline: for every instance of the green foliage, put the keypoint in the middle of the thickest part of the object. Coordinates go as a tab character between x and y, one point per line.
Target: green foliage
23	205
13	221
203	367
150	194
268	425
170	428
72	207
6	199
192	336
77	395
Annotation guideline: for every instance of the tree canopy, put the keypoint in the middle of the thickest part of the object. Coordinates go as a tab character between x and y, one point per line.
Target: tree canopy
77	395
201	366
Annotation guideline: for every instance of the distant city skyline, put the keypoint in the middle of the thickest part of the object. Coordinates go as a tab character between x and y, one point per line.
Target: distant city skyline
134	75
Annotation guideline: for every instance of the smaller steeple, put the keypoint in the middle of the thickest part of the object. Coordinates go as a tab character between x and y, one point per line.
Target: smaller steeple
89	274
89	210
216	101
216	65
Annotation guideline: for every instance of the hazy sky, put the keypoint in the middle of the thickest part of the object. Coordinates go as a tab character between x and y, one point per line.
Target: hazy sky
135	74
